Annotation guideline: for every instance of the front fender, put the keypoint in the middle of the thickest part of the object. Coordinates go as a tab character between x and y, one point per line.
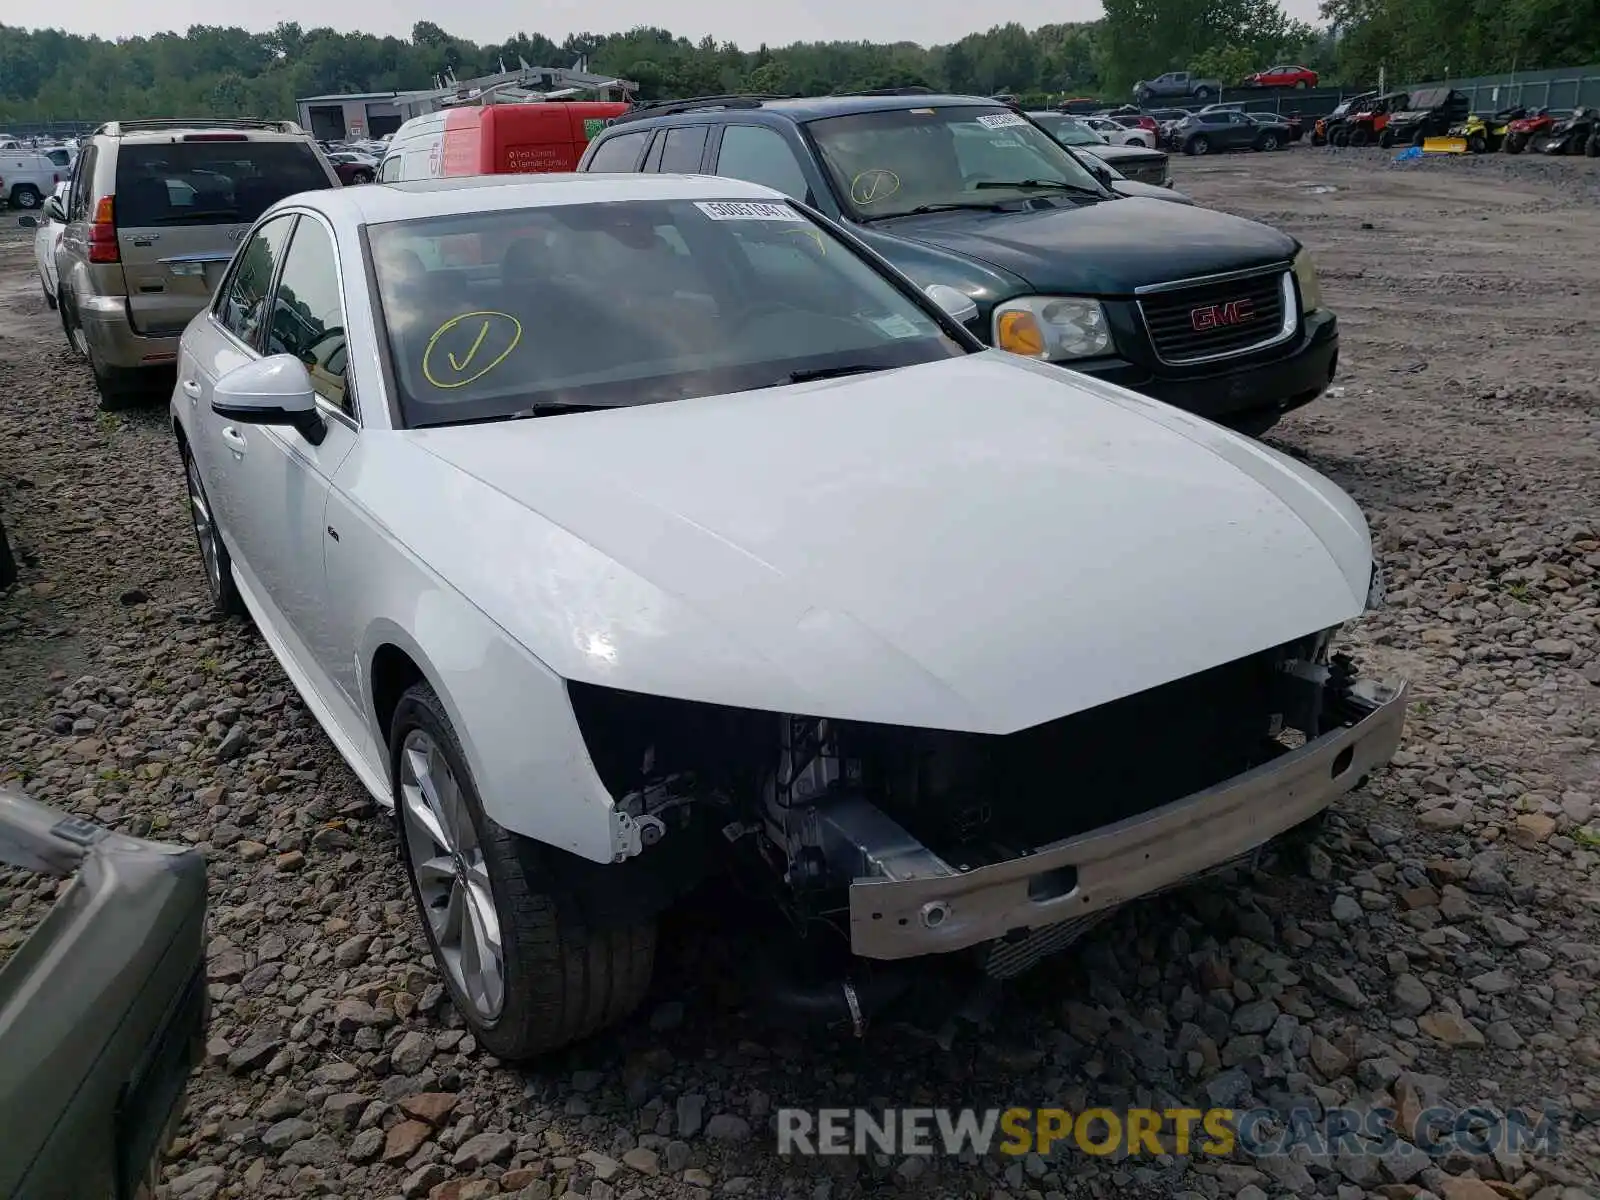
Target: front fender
510	711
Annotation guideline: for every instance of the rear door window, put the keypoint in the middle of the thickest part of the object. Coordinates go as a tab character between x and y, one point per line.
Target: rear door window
210	182
684	149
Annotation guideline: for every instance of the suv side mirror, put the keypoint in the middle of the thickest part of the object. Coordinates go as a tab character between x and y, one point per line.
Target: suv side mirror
275	390
54	211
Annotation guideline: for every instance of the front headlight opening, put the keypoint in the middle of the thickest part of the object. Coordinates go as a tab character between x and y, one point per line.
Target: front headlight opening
1305	274
1052	328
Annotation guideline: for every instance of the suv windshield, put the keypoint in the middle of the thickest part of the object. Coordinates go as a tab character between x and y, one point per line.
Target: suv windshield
897	161
1066	130
518	313
228	182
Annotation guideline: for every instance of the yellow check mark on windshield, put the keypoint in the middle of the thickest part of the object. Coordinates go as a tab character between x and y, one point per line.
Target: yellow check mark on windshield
483	332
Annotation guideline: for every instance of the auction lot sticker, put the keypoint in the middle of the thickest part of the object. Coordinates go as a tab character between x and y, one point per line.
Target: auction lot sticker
747	210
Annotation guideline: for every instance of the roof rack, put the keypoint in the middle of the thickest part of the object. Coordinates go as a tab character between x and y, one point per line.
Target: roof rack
915	89
659	108
118	128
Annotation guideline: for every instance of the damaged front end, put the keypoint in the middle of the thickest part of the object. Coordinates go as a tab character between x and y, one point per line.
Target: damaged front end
917	841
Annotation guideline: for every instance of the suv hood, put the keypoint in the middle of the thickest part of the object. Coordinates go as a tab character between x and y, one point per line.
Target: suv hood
1108	248
980	544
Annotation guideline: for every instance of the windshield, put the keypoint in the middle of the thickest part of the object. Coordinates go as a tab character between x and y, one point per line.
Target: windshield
1066	130
522	312
897	161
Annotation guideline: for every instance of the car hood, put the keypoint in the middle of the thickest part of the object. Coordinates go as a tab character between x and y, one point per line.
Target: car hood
1097	249
980	544
1118	156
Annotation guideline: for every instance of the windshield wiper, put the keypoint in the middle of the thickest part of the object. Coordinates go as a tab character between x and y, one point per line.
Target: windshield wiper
833	372
1051	185
954	206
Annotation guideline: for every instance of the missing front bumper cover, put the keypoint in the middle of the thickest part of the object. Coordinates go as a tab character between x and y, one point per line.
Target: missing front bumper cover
900	881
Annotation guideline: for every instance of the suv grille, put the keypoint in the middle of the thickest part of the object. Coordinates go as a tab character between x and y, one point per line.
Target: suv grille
1216	320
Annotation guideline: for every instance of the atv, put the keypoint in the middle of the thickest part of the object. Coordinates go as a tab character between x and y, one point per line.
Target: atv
1425	113
1570	136
1484	135
1524	129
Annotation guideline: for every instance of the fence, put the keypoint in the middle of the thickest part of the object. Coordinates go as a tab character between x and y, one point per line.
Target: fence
1559	89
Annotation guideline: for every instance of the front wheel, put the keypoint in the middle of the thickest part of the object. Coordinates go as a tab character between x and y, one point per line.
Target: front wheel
225	599
1476	144
1359	136
361	176
1419	137
1197	145
1516	143
521	965
26	196
1202	94
1300	85
1269	142
1339	138
1592	148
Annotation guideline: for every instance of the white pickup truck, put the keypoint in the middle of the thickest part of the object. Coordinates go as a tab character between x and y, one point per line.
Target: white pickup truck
28	176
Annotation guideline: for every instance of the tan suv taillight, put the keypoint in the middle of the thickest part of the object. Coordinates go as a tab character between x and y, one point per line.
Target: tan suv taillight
103	234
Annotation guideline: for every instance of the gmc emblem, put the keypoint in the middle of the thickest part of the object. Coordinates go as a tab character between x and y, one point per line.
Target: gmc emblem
1232	312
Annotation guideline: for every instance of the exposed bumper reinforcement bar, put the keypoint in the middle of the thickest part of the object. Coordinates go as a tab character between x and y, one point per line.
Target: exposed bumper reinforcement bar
942	910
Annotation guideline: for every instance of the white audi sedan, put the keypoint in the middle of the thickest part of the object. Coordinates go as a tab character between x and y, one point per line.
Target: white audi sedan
620	529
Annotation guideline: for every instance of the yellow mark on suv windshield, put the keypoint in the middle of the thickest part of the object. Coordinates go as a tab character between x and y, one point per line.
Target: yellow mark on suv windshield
484	337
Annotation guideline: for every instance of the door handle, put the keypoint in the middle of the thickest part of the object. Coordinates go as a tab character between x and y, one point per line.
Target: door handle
235	439
191	389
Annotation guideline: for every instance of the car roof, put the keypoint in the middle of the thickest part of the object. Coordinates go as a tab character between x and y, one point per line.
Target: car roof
801	109
375	203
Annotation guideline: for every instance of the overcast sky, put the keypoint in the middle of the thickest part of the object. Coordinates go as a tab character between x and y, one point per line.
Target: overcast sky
926	21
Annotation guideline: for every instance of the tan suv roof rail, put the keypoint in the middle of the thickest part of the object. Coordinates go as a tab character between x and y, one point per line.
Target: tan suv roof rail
118	128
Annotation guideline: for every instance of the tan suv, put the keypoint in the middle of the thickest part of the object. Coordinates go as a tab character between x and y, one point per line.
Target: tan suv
155	212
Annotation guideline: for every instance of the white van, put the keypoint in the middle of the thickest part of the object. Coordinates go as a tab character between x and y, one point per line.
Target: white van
28	176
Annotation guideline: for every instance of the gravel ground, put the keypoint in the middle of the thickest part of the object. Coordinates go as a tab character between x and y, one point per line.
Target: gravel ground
1437	942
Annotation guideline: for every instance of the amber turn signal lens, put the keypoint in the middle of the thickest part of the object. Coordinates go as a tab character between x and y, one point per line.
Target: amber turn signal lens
1019	333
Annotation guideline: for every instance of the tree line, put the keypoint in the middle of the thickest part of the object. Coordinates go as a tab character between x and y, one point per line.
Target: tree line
46	74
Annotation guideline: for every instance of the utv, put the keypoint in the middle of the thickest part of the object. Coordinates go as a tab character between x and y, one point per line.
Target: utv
1321	131
1571	136
1365	125
1431	111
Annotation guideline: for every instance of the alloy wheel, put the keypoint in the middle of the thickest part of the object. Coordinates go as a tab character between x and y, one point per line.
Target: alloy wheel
205	529
451	875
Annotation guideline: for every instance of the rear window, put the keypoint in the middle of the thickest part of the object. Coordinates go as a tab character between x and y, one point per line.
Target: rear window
210	183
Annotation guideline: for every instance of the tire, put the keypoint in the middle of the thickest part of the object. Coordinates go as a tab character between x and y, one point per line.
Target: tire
1197	145
1477	144
1385	139
1300	85
1419	137
214	558
1592	147
1202	94
559	981
49	296
361	177
1516	143
1317	139
1360	136
1339	137
1137	141
1268	142
25	195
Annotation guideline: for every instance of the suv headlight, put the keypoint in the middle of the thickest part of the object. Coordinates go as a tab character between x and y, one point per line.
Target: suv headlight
1305	274
1052	328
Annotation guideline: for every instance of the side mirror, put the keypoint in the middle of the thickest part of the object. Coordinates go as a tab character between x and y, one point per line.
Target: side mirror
28	222
957	304
270	391
54	210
